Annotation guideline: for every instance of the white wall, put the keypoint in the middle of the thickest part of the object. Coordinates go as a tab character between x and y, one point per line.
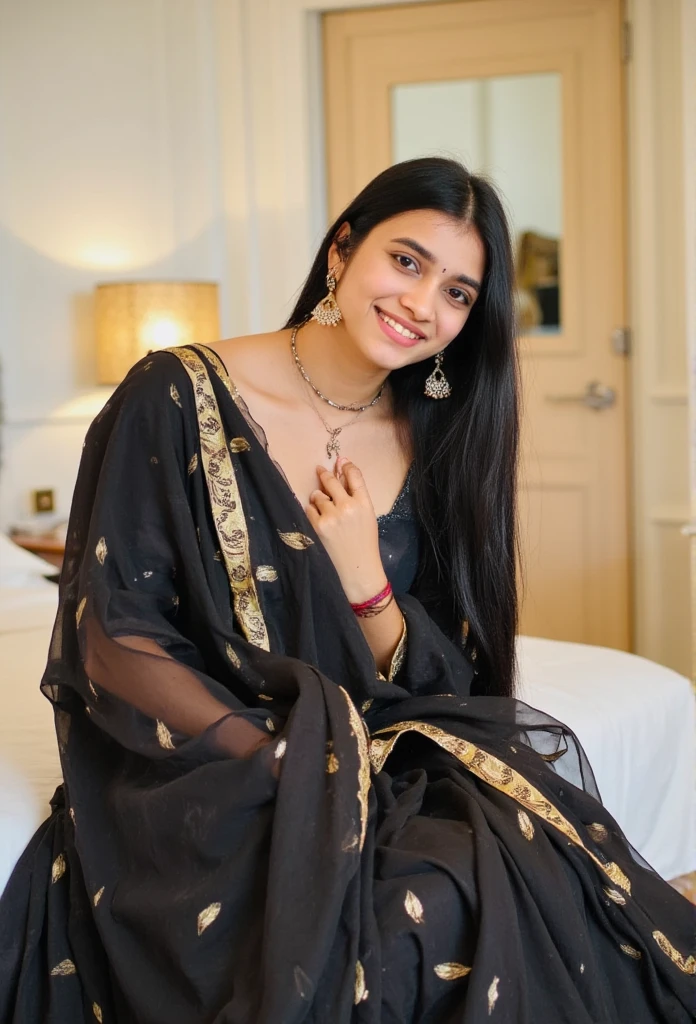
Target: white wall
111	168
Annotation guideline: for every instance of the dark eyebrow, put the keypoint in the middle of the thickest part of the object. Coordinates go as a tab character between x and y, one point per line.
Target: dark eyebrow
422	251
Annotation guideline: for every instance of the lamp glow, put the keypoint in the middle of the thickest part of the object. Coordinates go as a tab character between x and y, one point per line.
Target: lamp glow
134	318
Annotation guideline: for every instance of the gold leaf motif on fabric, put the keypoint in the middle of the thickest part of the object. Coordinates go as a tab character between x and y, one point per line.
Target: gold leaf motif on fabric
615	896
97	896
280	749
358	731
617	876
96	1010
265	696
193	464
174	395
630	951
399	654
493	995
685	964
332	764
297	541
232	655
525	823
80	609
175	600
63	969
207	916
101	550
58	868
413	907
451	971
164	737
350	843
266	574
600	833
367	704
270	725
239	444
361	993
303	983
225	499
465	631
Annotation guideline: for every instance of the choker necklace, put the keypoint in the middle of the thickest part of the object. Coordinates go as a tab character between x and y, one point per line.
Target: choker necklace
334	405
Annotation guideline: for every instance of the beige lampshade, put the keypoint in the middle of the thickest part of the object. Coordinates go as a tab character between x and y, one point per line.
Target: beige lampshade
136	317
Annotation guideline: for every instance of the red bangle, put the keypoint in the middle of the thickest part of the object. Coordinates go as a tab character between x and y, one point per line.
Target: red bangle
364	605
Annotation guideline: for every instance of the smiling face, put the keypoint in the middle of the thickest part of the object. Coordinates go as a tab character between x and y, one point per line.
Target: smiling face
407	290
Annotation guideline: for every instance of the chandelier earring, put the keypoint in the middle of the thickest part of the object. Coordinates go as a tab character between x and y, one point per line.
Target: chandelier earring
437	385
327	312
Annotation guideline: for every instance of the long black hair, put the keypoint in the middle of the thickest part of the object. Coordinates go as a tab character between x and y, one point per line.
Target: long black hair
464	447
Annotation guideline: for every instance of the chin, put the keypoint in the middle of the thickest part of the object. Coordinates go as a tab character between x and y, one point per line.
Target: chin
388	357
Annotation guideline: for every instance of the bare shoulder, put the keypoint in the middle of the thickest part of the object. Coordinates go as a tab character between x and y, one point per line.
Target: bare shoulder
256	362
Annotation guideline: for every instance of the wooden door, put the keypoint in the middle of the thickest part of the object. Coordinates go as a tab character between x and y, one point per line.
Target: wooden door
389	80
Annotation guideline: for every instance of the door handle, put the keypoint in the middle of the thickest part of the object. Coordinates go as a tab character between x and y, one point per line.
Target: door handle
597	396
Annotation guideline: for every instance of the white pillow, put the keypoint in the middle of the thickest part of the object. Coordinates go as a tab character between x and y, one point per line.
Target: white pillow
20	568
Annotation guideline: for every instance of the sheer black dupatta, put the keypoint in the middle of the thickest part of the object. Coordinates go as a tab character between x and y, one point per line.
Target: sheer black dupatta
254	825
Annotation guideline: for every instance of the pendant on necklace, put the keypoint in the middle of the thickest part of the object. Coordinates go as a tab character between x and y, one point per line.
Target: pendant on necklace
333	445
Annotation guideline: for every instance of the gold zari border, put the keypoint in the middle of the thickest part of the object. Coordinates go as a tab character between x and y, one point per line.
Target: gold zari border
361	739
225	500
399	654
497	774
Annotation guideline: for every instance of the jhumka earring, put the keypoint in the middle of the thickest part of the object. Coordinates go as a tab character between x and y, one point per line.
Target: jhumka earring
437	385
327	312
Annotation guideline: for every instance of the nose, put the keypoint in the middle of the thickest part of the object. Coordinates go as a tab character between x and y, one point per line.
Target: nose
420	302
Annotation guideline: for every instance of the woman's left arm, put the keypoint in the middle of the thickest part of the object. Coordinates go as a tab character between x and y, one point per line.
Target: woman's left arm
343	516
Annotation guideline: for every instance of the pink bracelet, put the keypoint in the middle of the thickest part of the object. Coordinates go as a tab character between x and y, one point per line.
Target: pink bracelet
377	599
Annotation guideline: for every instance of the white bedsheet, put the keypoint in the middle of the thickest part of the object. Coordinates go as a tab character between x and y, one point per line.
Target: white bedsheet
29	763
637	723
635	719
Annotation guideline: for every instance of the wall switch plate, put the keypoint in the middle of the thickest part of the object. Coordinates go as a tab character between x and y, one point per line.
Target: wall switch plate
43	501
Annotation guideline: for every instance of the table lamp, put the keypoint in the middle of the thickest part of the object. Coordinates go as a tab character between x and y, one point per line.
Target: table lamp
136	317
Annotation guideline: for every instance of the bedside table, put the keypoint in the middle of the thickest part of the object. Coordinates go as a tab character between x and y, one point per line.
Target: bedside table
46	546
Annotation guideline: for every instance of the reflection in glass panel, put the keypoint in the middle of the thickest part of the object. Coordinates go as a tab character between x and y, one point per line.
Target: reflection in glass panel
508	128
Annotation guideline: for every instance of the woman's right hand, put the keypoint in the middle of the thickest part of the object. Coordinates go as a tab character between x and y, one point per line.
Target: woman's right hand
343	516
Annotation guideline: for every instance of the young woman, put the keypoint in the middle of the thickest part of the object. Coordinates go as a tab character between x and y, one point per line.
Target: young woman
298	787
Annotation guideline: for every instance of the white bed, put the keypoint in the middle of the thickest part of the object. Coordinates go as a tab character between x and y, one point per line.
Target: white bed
636	720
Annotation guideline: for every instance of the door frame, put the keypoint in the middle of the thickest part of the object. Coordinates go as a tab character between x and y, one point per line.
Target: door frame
276	130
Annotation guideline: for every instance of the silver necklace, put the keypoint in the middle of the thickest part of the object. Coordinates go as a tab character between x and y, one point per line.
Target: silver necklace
315	389
333	445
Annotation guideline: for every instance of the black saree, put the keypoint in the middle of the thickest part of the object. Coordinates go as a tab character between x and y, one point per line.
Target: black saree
257	828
